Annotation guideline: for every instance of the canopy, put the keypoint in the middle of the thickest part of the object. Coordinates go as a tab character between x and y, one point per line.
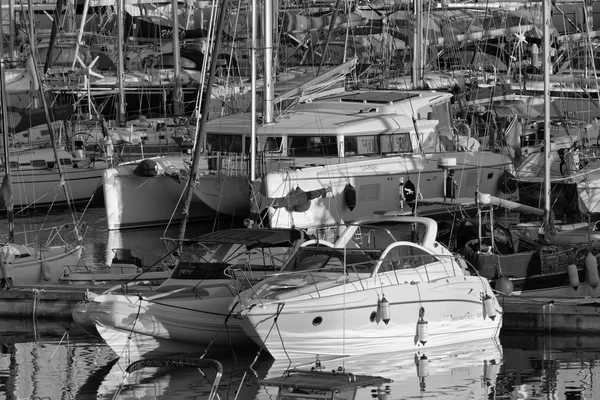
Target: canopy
253	237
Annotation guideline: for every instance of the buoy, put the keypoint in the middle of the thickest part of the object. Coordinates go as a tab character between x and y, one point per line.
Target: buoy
410	191
491	370
490	309
146	168
573	275
450	188
423	367
46	274
383	309
504	285
401	192
6	270
591	269
422	331
423	371
350	196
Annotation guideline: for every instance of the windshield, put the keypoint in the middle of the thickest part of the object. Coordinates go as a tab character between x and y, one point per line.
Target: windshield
332	260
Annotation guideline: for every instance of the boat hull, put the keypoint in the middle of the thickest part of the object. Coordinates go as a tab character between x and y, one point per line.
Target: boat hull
35	267
377	186
43	188
139	328
134	201
345	323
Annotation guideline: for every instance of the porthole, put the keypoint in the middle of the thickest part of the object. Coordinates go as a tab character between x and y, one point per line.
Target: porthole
317	321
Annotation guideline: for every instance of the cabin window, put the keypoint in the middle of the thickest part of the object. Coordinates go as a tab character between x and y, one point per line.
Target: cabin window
225	143
405	256
38	163
361	145
369	192
397	143
273	144
65	161
313	145
14	165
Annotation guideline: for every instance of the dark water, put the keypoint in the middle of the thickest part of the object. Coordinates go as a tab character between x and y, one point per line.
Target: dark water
56	360
45	360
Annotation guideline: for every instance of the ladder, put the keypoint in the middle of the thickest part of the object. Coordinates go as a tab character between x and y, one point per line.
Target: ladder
486	212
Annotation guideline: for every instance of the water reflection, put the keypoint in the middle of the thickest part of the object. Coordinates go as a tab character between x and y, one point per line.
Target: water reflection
56	360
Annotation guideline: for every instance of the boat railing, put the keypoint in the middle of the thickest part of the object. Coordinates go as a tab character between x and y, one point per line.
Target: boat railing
397	271
230	164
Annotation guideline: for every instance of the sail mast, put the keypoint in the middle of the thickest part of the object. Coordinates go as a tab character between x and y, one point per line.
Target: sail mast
120	62
253	92
177	90
546	43
268	63
53	141
198	147
6	184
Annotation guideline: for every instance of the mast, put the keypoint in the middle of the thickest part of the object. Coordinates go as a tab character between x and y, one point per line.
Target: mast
55	26
52	140
6	183
198	147
120	62
253	93
268	73
86	5
177	91
546	43
417	63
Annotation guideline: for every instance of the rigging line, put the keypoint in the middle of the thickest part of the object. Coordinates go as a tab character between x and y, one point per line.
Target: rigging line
140	298
279	309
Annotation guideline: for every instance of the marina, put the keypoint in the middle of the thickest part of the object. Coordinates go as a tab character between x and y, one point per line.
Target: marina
274	200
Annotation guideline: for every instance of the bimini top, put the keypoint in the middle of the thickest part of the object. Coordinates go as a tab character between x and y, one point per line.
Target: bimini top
253	237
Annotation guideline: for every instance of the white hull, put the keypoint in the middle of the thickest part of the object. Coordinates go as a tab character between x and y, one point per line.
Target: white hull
43	267
589	193
227	195
377	185
178	324
134	201
453	307
42	188
380	177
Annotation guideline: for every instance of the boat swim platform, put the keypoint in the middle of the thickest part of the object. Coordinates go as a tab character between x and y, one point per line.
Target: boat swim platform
521	313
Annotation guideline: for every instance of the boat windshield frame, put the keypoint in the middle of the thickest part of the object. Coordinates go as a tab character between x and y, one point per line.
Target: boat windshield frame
332	259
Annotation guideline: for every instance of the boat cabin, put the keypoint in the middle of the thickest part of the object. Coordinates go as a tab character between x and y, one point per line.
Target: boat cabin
362	123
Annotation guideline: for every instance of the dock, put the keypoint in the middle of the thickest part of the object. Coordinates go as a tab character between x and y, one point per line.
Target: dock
45	302
549	315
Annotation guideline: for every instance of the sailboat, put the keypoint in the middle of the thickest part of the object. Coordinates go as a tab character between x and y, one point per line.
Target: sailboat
550	260
24	263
